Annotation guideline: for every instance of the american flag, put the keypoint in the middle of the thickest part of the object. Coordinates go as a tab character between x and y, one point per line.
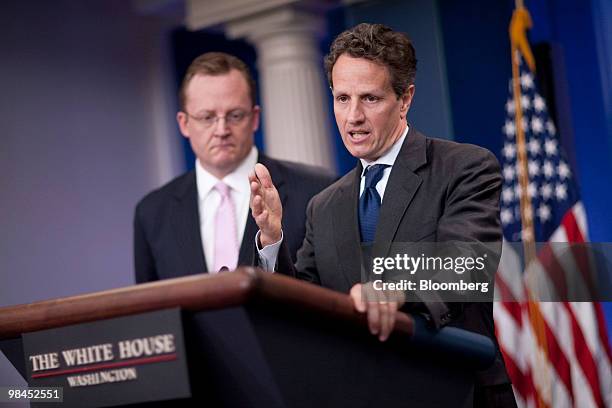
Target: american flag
557	353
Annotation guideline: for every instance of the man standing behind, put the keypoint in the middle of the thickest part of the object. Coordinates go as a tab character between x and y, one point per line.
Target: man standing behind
406	187
200	221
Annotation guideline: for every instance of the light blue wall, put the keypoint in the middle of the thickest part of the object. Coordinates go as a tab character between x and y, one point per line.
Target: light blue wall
77	119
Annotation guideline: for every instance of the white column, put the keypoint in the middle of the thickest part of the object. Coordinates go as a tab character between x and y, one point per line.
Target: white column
292	85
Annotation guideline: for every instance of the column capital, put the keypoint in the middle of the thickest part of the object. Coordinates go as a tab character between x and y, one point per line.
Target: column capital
279	21
202	14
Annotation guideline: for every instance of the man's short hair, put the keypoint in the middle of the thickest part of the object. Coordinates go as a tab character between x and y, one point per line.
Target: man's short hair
380	44
216	63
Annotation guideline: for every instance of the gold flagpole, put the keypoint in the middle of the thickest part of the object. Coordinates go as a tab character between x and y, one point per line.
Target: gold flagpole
521	21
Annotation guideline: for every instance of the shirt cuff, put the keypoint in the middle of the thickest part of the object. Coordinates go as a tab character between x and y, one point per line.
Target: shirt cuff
268	254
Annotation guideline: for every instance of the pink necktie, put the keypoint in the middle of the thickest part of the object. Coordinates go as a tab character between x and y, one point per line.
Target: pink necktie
226	242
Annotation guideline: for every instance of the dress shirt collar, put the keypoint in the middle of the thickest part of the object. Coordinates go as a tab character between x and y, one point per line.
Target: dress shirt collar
238	180
389	157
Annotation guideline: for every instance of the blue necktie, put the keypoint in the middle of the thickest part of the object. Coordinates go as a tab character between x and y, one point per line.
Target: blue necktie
369	202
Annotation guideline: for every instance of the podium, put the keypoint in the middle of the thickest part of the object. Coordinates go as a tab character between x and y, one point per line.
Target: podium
255	339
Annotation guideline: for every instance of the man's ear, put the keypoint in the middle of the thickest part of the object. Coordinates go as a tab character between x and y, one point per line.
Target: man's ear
256	113
406	99
181	119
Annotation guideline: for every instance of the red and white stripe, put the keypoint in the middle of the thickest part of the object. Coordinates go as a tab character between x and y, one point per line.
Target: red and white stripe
573	366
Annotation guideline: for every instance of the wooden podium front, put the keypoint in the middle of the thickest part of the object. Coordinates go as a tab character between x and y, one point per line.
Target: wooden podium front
255	339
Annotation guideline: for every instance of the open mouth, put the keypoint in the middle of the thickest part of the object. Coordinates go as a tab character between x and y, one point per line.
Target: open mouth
358	135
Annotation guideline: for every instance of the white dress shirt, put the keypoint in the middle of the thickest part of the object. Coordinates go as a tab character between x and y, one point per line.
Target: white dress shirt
388	159
209	200
269	254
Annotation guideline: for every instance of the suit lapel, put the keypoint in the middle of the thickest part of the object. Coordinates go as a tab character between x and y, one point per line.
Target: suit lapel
186	224
346	227
401	188
245	256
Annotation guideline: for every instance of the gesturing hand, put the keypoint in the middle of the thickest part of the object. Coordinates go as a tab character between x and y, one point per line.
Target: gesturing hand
265	204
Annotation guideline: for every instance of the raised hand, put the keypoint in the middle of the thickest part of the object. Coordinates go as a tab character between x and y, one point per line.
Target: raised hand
265	204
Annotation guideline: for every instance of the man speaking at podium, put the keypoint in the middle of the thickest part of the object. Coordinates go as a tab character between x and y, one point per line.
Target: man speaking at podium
405	188
200	221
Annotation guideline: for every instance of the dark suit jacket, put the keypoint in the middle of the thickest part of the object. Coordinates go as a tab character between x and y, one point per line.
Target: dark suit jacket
437	191
167	242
